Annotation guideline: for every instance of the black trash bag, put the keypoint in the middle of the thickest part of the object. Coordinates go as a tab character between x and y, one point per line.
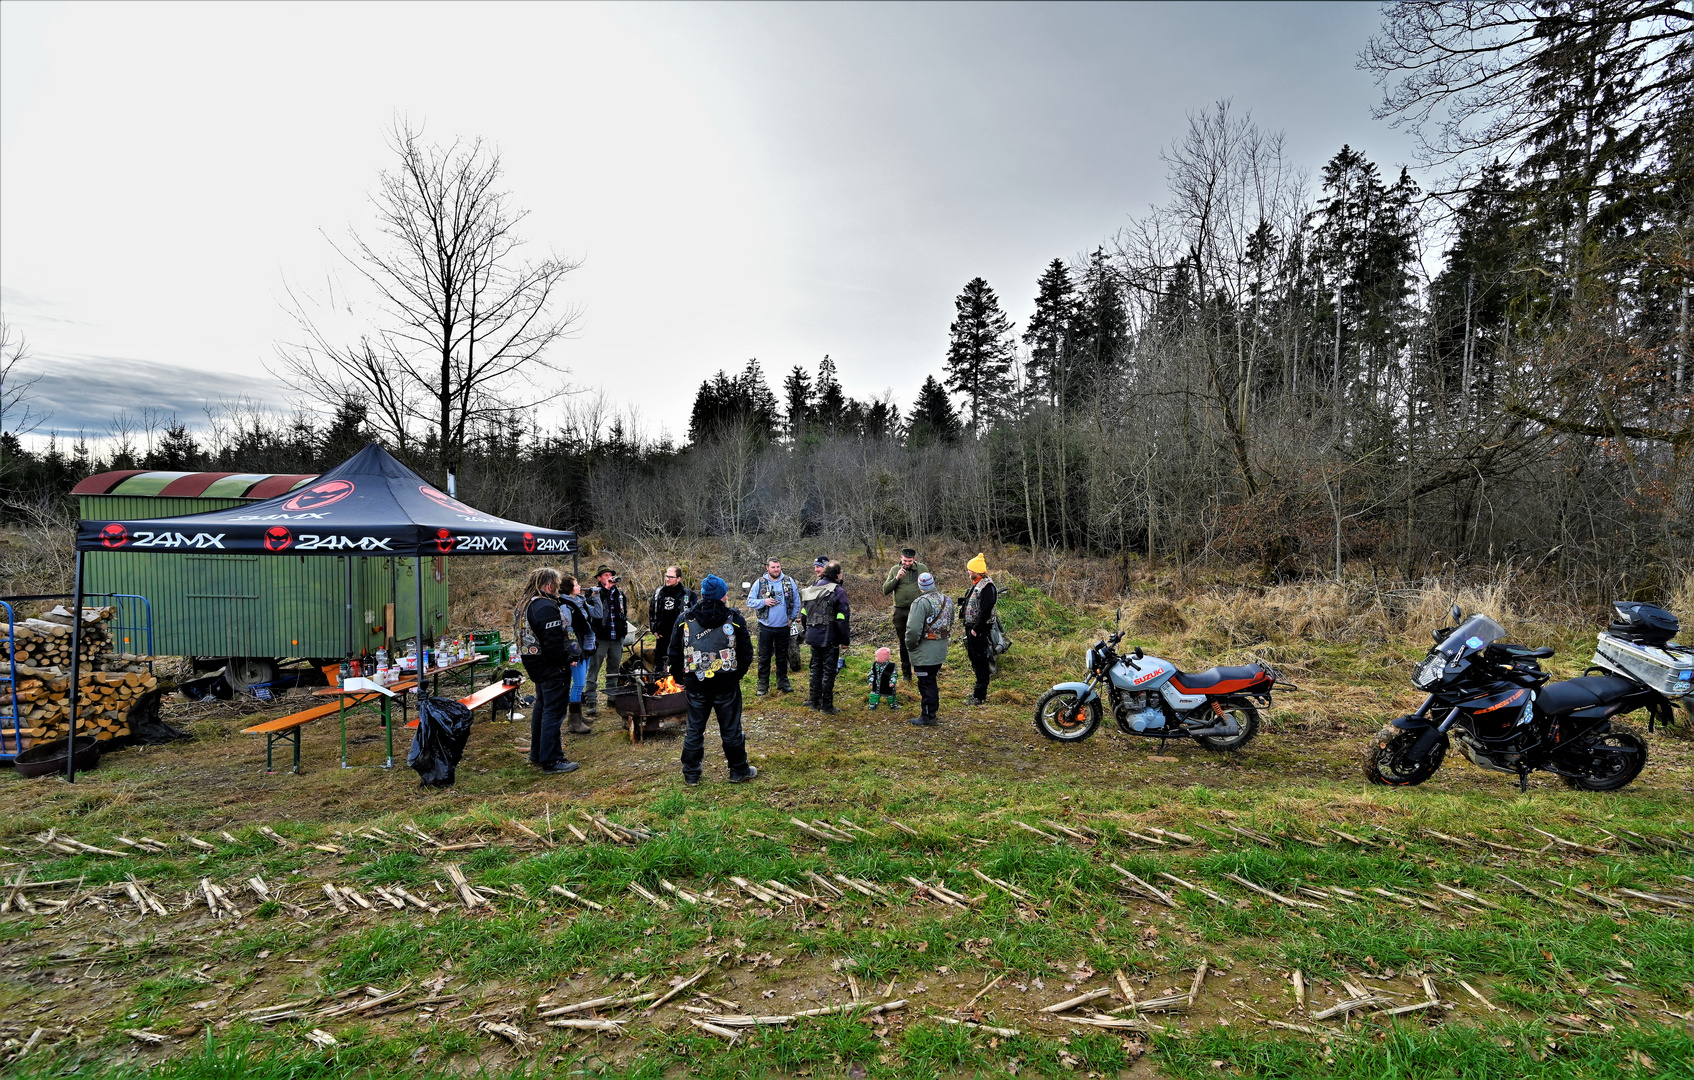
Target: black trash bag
146	727
443	727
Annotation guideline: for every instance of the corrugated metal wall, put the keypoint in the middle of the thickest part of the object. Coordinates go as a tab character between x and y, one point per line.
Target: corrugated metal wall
258	605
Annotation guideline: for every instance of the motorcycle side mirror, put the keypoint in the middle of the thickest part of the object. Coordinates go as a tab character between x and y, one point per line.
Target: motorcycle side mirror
1458	615
1138	653
1437	635
1117	619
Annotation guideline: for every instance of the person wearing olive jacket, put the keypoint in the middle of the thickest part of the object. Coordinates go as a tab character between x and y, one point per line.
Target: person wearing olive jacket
928	633
902	585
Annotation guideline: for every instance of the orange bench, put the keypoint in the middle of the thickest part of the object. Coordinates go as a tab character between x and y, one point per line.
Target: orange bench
288	727
488	695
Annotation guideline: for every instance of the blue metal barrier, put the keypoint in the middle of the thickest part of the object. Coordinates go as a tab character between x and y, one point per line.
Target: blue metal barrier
11	722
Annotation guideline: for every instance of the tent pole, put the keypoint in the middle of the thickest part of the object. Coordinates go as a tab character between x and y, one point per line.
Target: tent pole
349	559
76	661
418	562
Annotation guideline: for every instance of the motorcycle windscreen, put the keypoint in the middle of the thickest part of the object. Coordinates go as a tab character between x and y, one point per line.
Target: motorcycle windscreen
1475	635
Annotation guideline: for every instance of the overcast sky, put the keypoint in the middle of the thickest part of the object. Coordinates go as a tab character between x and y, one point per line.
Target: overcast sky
738	181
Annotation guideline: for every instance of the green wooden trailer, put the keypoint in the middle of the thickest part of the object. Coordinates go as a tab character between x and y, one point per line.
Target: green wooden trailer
245	612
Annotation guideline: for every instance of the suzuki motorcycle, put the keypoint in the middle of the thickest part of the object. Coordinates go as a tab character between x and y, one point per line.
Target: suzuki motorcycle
1217	708
1494	700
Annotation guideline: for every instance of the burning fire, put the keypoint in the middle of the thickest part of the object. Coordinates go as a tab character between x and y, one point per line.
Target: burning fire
667	685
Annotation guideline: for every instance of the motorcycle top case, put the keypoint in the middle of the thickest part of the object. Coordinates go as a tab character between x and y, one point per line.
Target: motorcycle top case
1643	624
1669	669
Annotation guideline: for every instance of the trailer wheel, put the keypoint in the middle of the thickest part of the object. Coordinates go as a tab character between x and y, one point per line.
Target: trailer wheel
245	672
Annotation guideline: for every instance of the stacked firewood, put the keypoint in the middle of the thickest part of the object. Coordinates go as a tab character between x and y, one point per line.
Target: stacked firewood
39	651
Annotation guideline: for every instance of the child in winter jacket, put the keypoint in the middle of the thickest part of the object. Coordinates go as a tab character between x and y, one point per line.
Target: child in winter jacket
885	674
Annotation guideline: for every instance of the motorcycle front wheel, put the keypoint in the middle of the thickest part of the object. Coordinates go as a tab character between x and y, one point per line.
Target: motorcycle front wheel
1386	758
1059	716
1246	718
1612	761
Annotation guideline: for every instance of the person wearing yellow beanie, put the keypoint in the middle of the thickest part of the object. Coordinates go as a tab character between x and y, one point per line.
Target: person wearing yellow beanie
976	608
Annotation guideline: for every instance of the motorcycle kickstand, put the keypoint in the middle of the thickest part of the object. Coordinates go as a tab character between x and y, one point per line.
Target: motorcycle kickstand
1523	780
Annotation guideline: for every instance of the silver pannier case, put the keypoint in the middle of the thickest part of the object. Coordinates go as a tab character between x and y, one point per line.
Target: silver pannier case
1667	668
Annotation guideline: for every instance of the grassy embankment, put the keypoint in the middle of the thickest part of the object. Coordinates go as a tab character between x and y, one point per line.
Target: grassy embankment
1574	987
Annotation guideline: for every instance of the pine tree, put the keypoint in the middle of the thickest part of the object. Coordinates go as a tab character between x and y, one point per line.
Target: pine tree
831	409
797	393
1048	334
759	402
1100	334
932	419
979	354
744	402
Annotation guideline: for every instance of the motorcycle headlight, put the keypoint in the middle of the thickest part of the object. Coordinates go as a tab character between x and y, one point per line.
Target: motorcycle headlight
1429	672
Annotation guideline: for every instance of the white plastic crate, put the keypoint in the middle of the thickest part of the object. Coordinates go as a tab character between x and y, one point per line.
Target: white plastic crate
1669	669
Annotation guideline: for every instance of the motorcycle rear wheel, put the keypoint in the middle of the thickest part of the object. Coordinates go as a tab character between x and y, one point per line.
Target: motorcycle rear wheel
1385	758
1605	769
1060	718
1246	718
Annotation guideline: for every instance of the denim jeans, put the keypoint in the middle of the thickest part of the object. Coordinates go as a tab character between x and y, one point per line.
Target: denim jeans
552	700
579	679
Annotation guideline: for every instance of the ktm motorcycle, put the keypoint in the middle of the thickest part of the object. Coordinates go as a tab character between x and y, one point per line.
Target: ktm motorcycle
1494	700
1150	697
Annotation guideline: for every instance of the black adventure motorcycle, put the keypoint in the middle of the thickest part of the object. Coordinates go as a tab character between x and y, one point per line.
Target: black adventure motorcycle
1495	701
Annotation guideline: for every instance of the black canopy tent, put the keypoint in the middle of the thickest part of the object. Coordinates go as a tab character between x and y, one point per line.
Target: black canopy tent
370	504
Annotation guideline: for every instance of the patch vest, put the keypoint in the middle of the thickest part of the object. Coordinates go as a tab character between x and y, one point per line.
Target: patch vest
707	652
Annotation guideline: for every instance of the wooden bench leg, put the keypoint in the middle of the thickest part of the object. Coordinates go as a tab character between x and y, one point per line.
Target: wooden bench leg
297	751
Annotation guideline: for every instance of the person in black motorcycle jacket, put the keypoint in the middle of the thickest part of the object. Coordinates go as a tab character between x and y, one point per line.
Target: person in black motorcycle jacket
710	651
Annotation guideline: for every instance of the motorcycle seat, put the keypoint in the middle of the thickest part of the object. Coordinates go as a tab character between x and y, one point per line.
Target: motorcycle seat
1224	679
1523	651
1587	692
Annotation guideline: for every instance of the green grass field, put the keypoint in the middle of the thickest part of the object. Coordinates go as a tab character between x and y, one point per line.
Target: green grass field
1379	894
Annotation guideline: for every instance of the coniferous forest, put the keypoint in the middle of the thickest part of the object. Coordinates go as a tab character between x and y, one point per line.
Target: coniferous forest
1294	364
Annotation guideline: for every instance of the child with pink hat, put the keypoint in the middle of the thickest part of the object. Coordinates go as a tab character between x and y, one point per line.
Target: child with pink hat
885	673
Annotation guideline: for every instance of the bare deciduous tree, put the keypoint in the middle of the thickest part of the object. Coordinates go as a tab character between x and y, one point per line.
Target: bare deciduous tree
458	317
17	415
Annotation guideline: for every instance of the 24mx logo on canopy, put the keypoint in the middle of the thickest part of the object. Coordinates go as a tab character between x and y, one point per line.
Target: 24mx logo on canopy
321	495
277	538
114	535
468	513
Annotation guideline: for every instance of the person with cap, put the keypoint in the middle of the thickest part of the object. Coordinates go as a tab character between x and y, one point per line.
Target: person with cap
902	585
610	608
828	628
669	601
976	609
929	631
547	650
775	601
710	652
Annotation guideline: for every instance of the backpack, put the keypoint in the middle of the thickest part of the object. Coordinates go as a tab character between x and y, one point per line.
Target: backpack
707	652
817	603
940	624
998	641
